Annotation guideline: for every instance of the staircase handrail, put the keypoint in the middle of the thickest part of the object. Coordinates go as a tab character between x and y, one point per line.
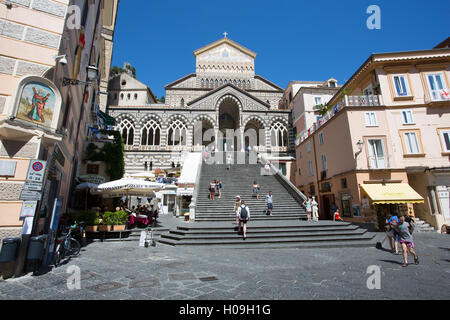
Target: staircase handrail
299	196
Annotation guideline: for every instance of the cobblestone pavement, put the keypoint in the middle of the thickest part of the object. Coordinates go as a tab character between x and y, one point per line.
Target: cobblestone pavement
123	270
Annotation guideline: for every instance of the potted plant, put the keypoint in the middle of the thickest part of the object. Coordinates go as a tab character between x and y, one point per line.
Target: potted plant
120	219
107	222
92	221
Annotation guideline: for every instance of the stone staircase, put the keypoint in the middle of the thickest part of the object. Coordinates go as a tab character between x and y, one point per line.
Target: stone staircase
215	220
422	226
239	181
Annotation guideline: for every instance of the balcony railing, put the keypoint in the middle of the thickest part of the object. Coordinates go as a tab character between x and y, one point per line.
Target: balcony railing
378	162
438	95
362	101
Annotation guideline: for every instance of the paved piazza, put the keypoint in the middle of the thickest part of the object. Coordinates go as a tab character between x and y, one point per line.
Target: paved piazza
122	270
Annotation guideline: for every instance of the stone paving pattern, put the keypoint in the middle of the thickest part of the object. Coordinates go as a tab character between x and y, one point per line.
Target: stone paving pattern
121	270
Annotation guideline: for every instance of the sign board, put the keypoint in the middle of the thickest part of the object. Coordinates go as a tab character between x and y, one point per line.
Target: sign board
36	171
28	209
92	178
32	186
26	195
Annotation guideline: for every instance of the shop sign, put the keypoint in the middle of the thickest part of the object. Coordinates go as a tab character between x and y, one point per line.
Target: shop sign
92	178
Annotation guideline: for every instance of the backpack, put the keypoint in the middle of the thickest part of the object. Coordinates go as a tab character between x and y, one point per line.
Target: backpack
244	214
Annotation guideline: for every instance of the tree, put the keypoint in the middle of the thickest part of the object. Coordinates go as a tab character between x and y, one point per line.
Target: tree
162	99
115	71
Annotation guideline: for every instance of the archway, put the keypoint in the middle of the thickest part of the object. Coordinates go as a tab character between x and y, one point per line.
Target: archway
203	133
254	134
229	122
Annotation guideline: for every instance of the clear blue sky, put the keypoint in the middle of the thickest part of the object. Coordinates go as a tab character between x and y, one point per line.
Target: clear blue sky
294	39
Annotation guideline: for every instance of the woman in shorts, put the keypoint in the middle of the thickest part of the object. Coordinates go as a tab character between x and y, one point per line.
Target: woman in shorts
406	240
256	190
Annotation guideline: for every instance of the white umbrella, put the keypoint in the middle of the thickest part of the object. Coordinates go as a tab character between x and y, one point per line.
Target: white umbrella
129	187
86	185
145	175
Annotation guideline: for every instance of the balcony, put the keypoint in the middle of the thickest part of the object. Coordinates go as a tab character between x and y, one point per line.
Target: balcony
362	101
378	162
441	95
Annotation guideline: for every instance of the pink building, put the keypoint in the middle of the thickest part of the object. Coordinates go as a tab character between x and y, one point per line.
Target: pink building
384	145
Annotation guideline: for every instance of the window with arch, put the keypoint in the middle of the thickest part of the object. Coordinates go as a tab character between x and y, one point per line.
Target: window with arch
239	83
217	83
182	102
151	134
177	134
211	83
225	81
129	96
135	96
121	96
207	83
203	83
221	82
126	128
279	135
234	82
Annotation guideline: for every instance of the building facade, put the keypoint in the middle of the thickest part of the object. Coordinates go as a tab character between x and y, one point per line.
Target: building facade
224	95
48	97
382	148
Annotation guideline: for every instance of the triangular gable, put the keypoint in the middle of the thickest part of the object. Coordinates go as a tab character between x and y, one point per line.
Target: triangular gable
209	100
225	41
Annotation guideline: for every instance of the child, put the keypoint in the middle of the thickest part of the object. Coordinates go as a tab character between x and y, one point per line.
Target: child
406	240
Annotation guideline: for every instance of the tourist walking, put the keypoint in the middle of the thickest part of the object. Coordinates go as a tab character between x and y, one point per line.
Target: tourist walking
406	240
256	189
219	188
315	209
237	204
393	236
244	217
307	205
212	190
337	215
269	199
267	169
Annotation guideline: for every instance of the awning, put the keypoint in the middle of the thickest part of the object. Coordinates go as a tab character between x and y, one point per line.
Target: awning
185	192
392	193
106	119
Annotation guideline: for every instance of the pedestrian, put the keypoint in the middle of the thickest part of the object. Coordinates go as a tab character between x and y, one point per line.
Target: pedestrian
237	204
244	217
337	215
269	199
307	205
256	190
212	190
410	219
229	161
219	188
315	209
393	222
406	240
267	169
390	234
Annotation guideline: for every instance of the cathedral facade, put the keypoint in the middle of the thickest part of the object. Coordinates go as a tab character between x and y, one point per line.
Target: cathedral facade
223	105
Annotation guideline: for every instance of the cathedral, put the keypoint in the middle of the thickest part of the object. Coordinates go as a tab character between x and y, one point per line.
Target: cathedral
223	106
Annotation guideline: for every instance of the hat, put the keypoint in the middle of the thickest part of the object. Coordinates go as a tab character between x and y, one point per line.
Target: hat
238	197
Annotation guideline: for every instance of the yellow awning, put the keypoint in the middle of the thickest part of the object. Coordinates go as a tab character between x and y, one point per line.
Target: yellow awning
392	193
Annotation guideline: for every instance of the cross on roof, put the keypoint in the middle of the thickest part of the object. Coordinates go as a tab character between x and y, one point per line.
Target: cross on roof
225	34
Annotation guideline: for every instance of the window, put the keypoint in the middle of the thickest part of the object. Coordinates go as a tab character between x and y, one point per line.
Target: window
93	169
411	143
127	129
368	91
332	84
324	162
177	133
407	117
377	159
317	100
436	86
279	135
300	155
182	102
401	85
151	134
310	168
344	183
371	119
321	141
128	96
203	83
445	139
299	172
135	96
121	96
308	146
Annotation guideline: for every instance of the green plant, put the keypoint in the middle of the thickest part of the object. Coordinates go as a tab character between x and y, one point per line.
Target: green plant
115	218
321	109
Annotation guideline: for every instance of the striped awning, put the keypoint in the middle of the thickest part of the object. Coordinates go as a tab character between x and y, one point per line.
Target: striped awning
392	193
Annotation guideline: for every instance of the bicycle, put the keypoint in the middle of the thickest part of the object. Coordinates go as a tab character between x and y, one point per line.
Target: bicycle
67	247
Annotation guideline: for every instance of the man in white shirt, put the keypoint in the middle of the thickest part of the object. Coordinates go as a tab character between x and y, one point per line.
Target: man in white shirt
269	199
244	217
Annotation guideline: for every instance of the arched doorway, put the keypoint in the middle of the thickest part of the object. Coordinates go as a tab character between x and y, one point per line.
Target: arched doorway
254	134
229	123
203	134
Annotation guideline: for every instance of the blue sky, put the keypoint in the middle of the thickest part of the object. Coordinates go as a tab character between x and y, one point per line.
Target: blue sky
294	40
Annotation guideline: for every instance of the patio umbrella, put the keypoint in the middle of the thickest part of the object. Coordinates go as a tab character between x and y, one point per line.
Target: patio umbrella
86	185
145	175
129	187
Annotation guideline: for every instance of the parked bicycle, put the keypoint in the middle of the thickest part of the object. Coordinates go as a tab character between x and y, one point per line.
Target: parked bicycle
67	246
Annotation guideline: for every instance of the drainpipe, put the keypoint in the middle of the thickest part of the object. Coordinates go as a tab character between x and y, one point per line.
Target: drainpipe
317	171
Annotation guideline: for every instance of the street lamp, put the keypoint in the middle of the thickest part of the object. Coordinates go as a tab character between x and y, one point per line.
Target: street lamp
92	73
360	145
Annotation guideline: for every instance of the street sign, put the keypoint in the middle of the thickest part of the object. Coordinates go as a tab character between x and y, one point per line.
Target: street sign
36	171
32	186
28	209
30	195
